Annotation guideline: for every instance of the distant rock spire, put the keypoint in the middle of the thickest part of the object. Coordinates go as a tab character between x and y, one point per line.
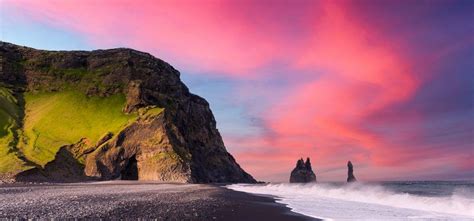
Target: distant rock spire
350	172
307	165
300	164
302	172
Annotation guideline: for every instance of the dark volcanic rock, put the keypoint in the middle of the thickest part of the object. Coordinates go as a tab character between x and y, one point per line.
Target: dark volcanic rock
303	173
64	168
180	144
350	173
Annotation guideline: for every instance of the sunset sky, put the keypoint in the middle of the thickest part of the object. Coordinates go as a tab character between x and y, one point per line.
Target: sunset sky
386	84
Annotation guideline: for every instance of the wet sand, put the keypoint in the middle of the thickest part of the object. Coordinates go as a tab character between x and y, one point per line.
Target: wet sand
133	200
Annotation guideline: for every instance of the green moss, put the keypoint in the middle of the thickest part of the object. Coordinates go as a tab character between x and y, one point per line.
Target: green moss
150	111
37	62
9	111
73	73
9	127
167	158
81	73
166	155
50	120
79	78
154	111
55	119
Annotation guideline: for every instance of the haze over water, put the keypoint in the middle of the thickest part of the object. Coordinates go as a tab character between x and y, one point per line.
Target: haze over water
422	200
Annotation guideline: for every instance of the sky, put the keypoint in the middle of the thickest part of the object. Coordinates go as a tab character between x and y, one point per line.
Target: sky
386	84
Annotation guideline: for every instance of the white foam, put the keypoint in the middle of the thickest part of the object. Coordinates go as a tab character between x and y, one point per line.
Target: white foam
363	202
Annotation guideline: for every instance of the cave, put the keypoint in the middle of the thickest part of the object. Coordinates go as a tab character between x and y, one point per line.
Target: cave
130	172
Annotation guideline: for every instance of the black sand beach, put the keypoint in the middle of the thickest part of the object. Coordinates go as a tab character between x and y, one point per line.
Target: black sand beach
132	200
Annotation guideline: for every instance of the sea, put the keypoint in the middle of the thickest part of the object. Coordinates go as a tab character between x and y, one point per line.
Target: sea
400	200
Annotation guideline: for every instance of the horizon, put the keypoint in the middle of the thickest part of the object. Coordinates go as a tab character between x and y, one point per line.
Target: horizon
390	90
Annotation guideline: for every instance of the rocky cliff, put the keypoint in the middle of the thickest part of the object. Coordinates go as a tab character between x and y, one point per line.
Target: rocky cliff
105	114
350	173
303	173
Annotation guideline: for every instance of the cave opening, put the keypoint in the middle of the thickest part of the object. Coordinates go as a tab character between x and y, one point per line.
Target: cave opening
130	172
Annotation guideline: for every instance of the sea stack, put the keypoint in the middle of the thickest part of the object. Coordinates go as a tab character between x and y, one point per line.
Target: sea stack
303	173
350	173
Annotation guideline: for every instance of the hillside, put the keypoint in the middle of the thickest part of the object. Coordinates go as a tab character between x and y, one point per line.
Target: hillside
106	114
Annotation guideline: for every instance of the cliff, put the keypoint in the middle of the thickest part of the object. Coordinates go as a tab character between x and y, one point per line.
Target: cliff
105	114
302	173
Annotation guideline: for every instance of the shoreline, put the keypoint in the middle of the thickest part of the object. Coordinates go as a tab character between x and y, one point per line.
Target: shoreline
259	207
132	199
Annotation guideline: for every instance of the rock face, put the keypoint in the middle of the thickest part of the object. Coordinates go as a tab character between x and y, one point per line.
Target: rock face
180	143
303	173
350	173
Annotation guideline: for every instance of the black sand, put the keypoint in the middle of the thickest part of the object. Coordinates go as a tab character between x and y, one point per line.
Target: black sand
133	200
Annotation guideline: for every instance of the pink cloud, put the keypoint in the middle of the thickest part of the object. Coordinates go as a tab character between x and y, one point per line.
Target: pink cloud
324	118
210	37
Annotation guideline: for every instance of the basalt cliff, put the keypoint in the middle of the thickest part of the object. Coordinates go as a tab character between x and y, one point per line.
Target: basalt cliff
70	116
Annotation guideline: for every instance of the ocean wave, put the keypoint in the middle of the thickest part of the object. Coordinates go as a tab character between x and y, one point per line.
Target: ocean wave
365	201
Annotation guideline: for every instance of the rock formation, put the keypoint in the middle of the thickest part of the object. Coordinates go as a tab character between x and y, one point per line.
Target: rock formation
303	173
350	173
168	133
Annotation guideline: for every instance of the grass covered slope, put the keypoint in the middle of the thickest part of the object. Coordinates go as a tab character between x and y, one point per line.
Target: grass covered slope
55	119
9	114
10	118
